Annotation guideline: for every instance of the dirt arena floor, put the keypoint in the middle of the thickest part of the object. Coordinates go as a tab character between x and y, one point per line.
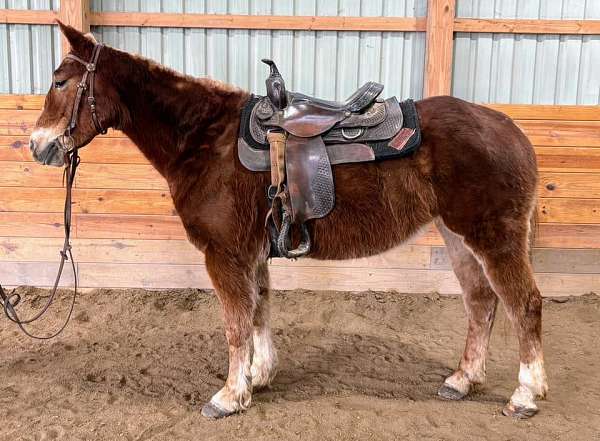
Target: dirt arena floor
138	365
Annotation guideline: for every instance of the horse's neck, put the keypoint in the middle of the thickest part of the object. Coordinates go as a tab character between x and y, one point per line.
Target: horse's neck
175	119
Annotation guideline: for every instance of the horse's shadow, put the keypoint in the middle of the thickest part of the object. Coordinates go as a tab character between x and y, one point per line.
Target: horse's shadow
189	368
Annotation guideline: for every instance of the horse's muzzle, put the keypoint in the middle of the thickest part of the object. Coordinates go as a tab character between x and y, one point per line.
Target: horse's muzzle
51	154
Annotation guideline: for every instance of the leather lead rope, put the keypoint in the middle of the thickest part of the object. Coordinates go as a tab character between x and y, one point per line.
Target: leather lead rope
72	160
9	302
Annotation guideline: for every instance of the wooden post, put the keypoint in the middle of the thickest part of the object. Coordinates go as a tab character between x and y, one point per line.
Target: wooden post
75	13
440	35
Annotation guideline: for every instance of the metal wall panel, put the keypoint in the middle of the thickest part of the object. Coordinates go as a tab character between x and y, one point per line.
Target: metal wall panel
527	69
502	68
330	64
28	53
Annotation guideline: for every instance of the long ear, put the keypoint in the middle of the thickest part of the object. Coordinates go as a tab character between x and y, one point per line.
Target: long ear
91	37
79	42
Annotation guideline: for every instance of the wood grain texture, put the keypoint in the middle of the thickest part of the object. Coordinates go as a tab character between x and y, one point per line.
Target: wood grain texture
21	123
561	133
32	224
438	58
548	235
569	211
17	122
15	148
100	250
267	22
20	102
568	236
182	252
29	174
548	112
27	16
33	273
568	159
75	13
112	151
214	21
150	276
569	185
347	279
139	176
545	260
97	201
524	26
101	150
157	276
130	226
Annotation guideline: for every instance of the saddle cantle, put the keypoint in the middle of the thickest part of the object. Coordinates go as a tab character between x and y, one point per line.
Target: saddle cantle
298	138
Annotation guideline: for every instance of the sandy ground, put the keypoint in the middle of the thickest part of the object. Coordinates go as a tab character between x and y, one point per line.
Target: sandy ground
138	365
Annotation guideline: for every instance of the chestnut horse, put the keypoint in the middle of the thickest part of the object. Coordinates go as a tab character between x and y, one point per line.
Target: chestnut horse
475	176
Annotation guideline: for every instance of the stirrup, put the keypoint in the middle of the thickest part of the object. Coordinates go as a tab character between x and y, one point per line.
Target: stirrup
283	241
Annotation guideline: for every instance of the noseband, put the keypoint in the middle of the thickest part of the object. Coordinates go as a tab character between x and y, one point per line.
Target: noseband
71	154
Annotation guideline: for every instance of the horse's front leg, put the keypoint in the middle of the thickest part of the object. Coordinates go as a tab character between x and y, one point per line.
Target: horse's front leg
237	291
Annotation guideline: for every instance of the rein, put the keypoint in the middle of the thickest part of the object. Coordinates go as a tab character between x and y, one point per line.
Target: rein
72	160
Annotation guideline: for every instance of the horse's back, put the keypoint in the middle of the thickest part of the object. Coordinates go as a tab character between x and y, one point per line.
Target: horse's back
473	162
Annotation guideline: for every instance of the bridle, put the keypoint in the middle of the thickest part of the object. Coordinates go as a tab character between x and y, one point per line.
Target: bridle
72	160
88	77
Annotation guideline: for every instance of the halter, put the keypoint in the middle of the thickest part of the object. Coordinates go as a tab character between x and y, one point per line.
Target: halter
70	150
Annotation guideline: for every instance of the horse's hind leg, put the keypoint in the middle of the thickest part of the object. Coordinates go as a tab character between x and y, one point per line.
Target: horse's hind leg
480	304
504	255
264	361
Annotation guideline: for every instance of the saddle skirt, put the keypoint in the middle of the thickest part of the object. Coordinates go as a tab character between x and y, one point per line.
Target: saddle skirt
386	129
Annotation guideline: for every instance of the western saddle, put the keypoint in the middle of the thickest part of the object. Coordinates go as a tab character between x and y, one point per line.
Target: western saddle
298	138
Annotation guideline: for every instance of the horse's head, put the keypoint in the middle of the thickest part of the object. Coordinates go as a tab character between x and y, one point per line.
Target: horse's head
49	139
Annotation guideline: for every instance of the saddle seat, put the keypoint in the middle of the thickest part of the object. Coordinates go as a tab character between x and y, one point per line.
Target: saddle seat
357	102
305	116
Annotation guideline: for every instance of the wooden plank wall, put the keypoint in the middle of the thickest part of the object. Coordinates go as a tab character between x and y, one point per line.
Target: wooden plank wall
126	233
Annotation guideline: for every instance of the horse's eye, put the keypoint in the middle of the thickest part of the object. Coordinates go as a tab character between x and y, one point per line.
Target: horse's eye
59	84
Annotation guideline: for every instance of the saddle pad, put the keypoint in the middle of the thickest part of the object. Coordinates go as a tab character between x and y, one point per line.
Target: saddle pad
405	141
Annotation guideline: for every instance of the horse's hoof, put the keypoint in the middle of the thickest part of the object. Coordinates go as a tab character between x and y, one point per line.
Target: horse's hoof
215	412
519	412
449	393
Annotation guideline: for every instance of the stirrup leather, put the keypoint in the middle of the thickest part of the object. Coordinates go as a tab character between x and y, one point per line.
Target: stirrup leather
280	199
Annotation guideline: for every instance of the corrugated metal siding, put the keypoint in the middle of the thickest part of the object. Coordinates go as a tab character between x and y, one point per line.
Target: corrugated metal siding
29	53
527	69
502	68
329	64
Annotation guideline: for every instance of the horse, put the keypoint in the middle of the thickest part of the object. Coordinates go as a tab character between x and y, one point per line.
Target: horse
474	176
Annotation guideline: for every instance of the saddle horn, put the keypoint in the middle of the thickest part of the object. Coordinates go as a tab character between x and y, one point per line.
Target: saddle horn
275	86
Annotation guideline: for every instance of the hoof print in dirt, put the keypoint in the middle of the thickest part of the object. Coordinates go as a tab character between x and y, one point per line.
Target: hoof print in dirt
449	393
215	412
519	412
